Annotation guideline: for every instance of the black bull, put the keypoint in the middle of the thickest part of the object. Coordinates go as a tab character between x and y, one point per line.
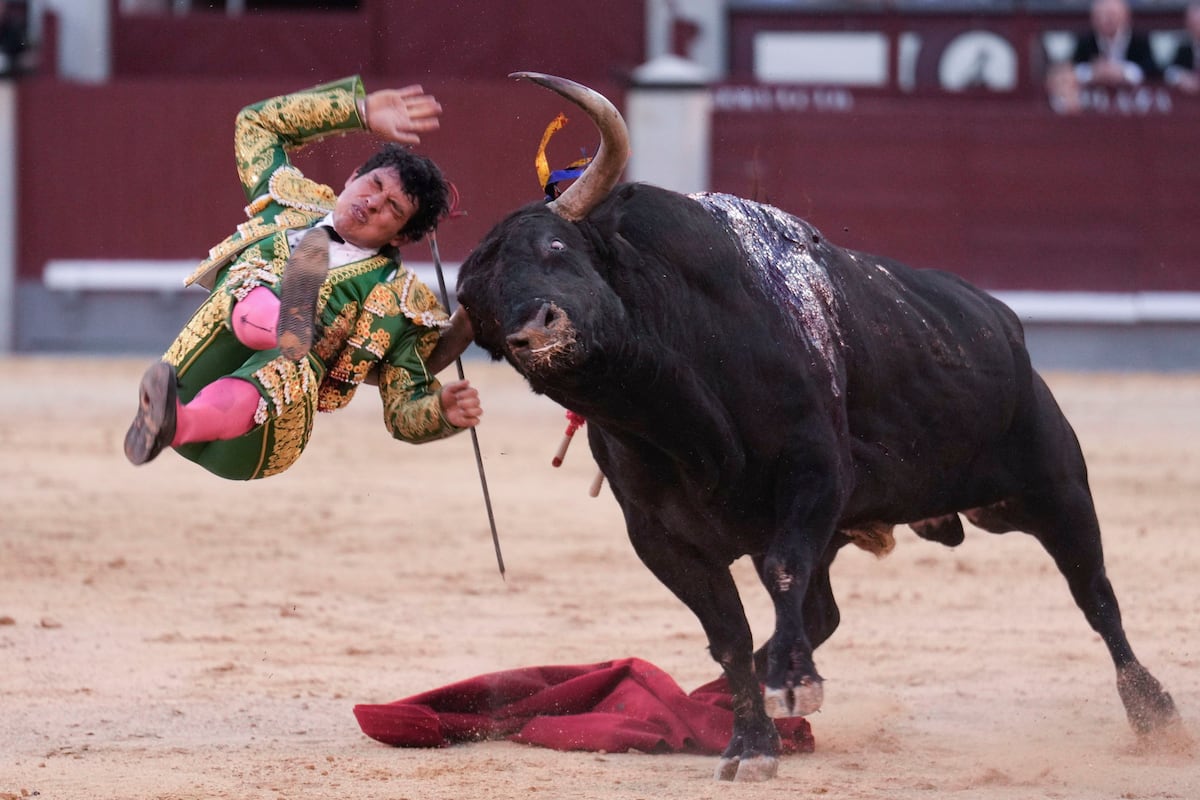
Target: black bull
753	389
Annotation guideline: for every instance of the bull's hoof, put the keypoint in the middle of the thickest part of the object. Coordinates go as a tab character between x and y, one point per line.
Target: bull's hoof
747	770
1148	706
799	701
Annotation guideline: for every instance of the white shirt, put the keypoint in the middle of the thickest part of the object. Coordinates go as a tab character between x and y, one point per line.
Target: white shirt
340	253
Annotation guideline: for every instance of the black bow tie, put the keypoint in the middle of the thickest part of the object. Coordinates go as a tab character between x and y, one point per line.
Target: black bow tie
333	235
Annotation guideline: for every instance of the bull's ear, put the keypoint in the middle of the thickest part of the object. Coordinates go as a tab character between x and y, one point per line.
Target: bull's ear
605	169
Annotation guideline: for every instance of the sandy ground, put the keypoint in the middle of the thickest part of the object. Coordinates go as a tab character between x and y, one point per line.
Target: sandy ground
166	634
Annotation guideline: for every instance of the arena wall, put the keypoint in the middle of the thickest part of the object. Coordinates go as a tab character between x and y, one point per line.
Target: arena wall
994	186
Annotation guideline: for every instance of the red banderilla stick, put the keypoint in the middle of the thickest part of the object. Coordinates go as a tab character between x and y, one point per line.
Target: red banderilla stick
574	423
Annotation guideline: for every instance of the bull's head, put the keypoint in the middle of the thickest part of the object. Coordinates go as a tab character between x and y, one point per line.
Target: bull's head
534	289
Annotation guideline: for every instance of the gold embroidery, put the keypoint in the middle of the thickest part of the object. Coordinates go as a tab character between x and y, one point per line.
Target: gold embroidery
342	381
286	382
382	301
354	270
305	115
289	187
417	302
249	233
258	206
259	228
343	369
291	431
362	328
426	343
361	369
412	420
199	332
248	274
253	146
423	307
380	342
333	338
330	399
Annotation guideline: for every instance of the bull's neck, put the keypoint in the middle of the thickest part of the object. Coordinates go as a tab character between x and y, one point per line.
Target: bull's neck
658	400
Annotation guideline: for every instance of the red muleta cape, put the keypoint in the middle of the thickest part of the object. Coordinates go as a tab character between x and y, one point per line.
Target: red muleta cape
613	706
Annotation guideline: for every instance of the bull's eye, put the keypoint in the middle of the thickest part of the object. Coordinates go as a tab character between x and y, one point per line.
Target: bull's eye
556	244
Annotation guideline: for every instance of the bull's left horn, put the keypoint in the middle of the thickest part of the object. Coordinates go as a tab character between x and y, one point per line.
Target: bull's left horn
605	169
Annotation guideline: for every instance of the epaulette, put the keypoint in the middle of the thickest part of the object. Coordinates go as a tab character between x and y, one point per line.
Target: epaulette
290	188
418	302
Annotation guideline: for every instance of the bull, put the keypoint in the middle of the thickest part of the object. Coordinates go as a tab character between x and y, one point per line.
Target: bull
751	388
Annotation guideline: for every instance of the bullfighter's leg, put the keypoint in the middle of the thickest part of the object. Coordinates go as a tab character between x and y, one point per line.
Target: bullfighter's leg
153	425
303	277
708	589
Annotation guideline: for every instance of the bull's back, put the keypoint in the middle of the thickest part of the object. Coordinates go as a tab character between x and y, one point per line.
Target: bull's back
929	371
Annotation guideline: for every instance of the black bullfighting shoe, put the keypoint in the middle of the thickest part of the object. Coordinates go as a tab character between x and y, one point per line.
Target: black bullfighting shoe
153	426
303	276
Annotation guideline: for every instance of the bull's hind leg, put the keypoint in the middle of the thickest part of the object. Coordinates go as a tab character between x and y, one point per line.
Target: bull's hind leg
1067	528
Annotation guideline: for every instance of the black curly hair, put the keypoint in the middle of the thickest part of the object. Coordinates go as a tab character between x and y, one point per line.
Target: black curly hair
423	183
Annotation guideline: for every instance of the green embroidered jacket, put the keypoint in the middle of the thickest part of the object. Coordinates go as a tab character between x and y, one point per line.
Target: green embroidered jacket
376	316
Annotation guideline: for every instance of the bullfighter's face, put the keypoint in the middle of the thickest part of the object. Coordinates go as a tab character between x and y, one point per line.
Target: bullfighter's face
372	209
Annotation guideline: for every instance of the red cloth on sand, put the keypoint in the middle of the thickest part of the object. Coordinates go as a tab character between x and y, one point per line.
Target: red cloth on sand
614	706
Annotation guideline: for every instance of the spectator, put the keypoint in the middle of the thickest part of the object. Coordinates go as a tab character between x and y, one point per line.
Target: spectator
14	35
1112	53
1181	72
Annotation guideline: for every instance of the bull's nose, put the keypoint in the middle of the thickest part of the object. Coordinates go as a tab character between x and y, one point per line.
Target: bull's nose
536	329
546	341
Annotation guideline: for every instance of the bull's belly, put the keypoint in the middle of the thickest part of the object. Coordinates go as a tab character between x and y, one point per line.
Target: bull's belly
898	502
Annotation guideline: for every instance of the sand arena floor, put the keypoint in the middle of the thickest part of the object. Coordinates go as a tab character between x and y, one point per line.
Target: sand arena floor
166	634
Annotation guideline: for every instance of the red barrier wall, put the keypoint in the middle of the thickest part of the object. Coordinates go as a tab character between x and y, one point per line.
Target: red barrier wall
448	39
997	188
1007	194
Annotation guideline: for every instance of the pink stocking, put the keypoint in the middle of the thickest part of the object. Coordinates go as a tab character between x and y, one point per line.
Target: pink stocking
222	410
256	319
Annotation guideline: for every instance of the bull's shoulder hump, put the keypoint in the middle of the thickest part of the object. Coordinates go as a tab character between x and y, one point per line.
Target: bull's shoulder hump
790	261
728	205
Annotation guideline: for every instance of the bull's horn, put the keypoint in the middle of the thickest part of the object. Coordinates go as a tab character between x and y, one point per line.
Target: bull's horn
605	169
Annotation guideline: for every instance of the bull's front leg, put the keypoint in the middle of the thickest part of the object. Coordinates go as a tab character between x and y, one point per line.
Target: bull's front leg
708	589
793	687
821	618
795	572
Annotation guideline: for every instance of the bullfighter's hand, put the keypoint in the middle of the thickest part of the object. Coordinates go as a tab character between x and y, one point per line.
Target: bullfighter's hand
460	404
401	115
1107	72
1188	82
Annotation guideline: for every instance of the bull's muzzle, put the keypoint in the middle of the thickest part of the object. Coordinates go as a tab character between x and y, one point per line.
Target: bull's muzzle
544	341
